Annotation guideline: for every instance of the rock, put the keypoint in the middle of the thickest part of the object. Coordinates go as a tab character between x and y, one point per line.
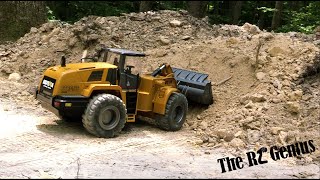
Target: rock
244	99
14	77
277	84
185	37
282	138
225	135
221	133
232	64
198	117
33	30
156	18
252	29
266	36
161	53
261	76
295	95
293	107
253	136
275	51
276	130
205	139
238	134
306	97
198	142
164	40
249	105
257	98
175	23
232	40
229	136
237	143
275	100
203	125
247	120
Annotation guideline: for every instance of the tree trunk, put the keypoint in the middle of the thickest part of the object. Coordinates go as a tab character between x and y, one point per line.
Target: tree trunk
277	15
17	17
236	11
261	21
197	8
145	6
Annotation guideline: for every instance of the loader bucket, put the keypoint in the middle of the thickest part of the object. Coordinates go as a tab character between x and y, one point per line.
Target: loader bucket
194	86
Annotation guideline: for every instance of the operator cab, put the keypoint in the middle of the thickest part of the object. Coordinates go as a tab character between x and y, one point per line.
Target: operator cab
129	65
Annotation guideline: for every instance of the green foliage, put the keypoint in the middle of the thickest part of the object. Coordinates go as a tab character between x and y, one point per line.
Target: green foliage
71	11
298	16
304	20
266	9
50	15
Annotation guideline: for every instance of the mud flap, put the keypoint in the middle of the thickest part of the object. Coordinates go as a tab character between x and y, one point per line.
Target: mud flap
194	86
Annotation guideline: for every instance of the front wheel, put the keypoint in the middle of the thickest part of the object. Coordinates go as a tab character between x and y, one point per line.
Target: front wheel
105	116
175	113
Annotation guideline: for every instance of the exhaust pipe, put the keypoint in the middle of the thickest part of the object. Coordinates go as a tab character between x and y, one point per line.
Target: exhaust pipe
63	61
194	86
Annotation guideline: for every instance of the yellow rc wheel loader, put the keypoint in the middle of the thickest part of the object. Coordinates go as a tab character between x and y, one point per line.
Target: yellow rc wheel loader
109	92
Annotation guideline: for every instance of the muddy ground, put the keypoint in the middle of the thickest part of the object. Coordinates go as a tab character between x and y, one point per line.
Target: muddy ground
265	85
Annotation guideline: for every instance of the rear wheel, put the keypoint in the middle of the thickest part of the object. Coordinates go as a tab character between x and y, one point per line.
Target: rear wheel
175	114
105	116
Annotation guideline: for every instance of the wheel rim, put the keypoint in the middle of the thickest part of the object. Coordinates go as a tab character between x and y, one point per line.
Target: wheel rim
178	114
109	117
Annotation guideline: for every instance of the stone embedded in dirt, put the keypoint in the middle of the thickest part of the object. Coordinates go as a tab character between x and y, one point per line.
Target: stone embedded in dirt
293	107
161	53
175	23
275	100
247	120
253	136
237	143
295	95
186	37
257	98
198	117
231	41
266	36
14	77
205	138
164	40
307	97
282	138
229	136
249	105
204	125
277	84
252	29
261	76
244	99
275	51
33	30
221	133
276	130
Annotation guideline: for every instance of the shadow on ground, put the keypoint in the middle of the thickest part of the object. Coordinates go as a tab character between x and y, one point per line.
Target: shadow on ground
75	128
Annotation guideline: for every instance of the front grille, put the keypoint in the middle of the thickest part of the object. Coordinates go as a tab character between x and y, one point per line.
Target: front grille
47	86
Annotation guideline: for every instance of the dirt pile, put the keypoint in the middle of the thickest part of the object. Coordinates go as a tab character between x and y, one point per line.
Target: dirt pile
265	85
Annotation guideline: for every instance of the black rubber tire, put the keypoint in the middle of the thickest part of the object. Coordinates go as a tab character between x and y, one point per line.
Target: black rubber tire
175	113
97	106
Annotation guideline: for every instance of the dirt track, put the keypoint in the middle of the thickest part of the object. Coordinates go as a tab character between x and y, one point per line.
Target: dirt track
37	144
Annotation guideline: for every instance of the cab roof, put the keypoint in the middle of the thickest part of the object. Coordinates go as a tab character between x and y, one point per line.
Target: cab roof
125	52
